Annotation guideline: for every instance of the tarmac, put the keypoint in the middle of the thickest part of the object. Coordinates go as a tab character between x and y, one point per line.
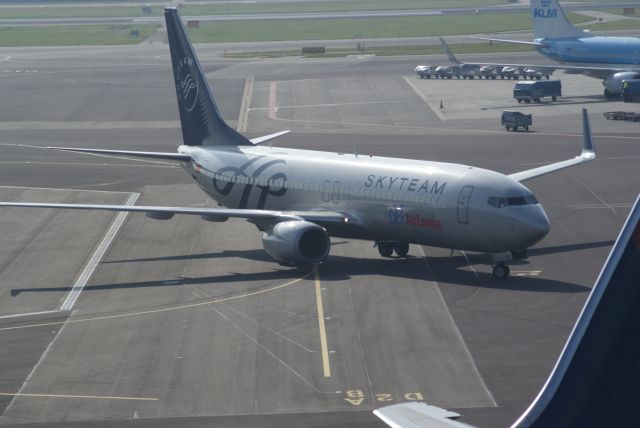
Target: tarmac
120	320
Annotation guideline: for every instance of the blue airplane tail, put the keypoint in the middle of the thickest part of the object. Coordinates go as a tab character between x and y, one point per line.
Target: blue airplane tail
549	21
202	123
596	381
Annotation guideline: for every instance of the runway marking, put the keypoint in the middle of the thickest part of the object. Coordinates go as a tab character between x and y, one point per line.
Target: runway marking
455	328
334	104
424	98
595	195
62	190
91	266
326	369
273	110
243	119
257	343
28	314
102	397
89	124
155	311
526	272
600	206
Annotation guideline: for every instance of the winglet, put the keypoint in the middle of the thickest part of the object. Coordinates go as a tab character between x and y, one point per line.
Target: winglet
587	154
588	147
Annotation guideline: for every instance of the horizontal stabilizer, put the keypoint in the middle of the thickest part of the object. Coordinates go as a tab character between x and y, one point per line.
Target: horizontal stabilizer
153	155
264	138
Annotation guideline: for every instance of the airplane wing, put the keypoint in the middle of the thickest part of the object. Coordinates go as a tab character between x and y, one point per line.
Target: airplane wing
255	216
588	154
514	42
418	415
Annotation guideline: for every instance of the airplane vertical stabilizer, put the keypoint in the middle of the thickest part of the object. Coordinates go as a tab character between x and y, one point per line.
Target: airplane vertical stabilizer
202	123
596	381
549	21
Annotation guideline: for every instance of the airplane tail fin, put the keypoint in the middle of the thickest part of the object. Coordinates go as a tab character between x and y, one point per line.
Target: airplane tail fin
549	20
450	54
202	123
596	381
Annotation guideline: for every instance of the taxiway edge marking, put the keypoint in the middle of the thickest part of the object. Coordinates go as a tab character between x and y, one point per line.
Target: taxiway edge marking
243	119
424	98
93	262
326	368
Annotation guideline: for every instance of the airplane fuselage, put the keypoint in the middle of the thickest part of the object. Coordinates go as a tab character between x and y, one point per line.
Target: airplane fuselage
604	51
430	203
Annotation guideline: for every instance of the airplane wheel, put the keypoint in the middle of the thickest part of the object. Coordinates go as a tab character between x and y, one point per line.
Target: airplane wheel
401	248
385	249
501	271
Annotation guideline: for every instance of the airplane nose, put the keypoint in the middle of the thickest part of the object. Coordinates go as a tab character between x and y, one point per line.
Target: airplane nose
537	226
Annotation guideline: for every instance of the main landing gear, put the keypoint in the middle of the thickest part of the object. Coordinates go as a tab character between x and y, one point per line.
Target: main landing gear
386	249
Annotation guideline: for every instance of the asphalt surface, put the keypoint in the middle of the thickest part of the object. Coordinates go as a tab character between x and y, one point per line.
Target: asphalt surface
185	322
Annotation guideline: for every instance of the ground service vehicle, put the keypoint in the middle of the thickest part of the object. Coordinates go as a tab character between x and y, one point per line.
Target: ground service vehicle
512	120
536	90
630	90
622	115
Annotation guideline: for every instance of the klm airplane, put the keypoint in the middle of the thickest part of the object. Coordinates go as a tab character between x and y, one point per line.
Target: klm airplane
612	59
299	198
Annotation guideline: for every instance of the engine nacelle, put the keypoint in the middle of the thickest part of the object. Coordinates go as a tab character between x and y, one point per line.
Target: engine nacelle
613	83
296	242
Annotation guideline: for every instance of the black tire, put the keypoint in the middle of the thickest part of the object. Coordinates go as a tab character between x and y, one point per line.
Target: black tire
553	98
401	249
508	128
501	271
526	128
385	249
515	128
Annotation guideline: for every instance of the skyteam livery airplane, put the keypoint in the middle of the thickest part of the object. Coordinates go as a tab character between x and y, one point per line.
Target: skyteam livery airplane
613	59
298	198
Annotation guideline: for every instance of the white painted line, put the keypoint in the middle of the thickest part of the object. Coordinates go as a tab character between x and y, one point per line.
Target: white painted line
447	313
62	190
243	119
424	98
102	397
97	256
27	314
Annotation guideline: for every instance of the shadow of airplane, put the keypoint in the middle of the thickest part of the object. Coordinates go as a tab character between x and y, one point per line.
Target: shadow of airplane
446	269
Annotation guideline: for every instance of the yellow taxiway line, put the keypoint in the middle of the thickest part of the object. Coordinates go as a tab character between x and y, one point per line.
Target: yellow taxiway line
103	397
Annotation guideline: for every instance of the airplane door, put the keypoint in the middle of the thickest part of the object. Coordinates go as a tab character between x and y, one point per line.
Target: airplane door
463	204
636	57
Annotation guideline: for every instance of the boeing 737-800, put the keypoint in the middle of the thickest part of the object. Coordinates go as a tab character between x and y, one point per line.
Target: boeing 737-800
613	59
298	198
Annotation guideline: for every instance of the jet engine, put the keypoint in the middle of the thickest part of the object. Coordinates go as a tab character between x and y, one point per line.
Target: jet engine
296	242
613	83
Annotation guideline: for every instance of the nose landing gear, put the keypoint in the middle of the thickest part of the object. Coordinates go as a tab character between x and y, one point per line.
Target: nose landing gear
501	271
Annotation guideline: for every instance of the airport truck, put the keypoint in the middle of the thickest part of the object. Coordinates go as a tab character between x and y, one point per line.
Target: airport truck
630	90
512	120
536	90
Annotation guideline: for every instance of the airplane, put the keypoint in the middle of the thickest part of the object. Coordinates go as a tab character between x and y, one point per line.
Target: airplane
299	198
595	382
612	59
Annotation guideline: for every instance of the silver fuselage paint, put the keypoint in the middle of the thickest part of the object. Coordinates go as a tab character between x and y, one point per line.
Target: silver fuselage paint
429	203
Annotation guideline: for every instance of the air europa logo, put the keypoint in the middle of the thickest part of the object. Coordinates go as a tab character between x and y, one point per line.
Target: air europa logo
187	83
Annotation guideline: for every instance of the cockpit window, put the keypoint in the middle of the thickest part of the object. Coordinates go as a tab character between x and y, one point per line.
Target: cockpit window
498	202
